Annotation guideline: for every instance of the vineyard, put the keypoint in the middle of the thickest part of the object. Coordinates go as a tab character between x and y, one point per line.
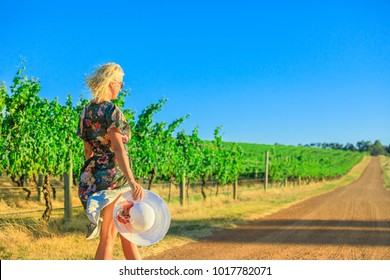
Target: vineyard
295	164
38	136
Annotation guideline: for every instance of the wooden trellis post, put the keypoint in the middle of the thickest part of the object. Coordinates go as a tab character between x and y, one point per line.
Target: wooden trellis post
39	187
266	170
235	185
182	186
68	179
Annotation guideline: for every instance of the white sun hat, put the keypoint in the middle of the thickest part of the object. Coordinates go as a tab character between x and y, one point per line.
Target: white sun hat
143	222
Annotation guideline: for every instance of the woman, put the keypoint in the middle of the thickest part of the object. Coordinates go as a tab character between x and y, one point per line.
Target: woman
106	173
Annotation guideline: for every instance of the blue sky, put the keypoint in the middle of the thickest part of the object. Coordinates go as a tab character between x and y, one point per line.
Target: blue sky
288	72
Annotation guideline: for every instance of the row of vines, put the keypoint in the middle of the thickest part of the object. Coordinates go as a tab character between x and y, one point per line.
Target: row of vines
296	164
38	136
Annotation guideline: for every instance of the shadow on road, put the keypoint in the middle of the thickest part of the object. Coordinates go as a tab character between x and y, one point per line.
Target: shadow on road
332	232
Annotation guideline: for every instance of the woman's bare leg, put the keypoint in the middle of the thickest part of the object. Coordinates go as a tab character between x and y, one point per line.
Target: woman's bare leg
108	233
130	250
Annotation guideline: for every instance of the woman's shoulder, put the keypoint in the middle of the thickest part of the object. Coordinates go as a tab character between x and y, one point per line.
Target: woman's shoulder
110	107
104	105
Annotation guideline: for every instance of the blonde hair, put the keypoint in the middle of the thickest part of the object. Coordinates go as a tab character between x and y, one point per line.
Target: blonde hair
100	80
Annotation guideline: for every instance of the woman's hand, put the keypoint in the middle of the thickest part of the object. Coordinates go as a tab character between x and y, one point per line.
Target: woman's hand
138	191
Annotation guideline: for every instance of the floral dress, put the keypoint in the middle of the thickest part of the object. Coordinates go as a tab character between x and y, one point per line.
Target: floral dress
101	180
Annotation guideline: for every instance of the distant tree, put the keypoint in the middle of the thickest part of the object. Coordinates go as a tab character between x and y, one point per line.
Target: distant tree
363	146
377	149
325	146
336	146
349	147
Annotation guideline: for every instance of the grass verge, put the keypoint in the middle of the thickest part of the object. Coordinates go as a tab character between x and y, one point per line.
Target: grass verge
385	164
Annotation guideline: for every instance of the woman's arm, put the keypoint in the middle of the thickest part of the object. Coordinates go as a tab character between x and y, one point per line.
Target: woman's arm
123	161
87	150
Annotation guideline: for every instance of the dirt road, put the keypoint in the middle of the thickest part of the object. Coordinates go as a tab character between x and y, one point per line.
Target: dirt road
351	222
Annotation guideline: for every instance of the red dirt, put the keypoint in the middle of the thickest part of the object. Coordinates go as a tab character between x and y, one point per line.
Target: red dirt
350	222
